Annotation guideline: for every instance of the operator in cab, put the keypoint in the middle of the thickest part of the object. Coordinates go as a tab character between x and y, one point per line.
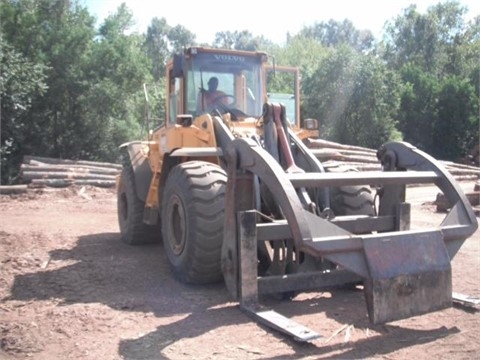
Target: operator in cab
209	99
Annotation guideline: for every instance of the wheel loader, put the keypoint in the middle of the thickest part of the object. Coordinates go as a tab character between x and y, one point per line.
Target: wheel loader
236	196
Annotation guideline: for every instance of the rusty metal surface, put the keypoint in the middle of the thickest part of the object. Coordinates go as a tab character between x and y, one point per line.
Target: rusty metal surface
283	324
305	281
238	196
461	217
356	224
405	272
361	178
253	158
410	274
466	300
247	237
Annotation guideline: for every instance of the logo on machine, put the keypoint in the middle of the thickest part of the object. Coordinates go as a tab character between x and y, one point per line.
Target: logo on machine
229	58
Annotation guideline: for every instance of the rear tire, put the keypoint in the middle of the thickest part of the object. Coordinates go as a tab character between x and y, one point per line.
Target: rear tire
130	208
193	204
351	199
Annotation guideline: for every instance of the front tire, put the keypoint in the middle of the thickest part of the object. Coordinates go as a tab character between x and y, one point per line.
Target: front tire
193	204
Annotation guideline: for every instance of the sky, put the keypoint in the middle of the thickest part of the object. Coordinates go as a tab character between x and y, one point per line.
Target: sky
271	18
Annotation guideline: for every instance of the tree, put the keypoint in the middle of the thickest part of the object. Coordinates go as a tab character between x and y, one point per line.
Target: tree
156	43
355	97
457	128
20	82
240	40
418	109
113	104
55	35
93	100
302	52
425	40
436	54
335	33
180	38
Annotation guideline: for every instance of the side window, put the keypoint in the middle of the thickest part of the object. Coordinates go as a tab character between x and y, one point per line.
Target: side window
282	87
174	104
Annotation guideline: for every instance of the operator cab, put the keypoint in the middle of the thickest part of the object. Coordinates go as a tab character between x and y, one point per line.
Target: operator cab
240	83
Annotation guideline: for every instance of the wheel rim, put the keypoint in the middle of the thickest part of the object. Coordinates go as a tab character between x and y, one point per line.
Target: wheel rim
176	225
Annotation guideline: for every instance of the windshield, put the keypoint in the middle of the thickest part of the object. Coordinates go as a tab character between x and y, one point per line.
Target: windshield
238	84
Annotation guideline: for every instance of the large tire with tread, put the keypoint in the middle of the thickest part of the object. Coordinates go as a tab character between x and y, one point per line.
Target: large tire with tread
351	199
130	208
193	202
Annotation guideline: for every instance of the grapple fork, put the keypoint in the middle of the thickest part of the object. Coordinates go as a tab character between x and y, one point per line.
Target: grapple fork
404	272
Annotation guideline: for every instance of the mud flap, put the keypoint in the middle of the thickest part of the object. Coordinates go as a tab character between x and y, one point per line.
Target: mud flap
410	274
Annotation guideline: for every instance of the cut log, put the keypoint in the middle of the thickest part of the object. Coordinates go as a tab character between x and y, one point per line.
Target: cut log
328	154
443	204
84	169
319	143
358	153
31	175
47	160
457	171
459	166
13	189
69	182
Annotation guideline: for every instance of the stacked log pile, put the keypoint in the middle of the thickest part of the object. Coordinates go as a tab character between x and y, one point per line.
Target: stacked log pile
42	171
473	197
50	172
365	159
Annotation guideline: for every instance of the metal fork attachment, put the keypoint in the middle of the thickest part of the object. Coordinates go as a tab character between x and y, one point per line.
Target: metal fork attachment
404	272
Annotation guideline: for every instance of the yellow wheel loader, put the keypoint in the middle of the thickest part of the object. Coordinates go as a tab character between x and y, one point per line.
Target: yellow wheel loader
235	195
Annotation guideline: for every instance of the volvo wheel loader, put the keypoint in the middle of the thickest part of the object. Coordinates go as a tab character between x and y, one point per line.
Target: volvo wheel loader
236	196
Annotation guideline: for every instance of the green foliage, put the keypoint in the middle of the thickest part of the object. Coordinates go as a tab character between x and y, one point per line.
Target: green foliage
20	82
240	40
302	52
49	35
427	40
180	38
93	99
335	33
157	46
436	54
114	103
457	128
418	109
162	41
354	97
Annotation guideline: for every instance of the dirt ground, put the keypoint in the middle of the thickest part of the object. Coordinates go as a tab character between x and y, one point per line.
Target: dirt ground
70	289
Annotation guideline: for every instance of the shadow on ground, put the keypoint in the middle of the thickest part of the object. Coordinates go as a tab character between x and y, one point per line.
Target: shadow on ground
101	269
